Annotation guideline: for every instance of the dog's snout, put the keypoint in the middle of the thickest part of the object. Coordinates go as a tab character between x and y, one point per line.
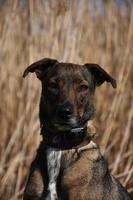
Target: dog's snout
66	110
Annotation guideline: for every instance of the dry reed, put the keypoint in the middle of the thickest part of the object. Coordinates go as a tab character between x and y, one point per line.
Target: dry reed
65	30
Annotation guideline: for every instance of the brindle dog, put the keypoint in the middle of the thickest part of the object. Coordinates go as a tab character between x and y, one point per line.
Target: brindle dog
68	164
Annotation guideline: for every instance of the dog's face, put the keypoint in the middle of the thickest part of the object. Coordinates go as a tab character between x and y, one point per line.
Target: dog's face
67	91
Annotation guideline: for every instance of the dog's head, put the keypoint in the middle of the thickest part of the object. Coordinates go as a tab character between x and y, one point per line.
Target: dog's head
67	92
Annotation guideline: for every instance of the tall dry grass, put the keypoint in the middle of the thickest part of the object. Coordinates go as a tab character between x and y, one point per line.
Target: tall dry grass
30	30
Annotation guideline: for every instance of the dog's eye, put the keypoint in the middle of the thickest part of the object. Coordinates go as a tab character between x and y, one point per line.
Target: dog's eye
53	85
83	87
53	88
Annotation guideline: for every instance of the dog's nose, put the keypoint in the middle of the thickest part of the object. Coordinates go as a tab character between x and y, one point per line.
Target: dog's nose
66	111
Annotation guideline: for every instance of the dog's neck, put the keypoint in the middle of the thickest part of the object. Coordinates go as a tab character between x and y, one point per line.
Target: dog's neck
65	139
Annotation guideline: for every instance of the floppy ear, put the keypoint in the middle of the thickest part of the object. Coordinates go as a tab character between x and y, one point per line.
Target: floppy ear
100	75
39	67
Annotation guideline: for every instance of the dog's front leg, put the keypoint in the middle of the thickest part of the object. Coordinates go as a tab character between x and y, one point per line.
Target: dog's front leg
35	186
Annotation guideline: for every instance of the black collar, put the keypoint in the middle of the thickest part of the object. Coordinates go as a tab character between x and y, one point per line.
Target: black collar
65	139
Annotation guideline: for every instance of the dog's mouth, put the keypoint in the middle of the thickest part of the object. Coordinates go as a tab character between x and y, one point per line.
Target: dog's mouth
63	126
71	125
68	128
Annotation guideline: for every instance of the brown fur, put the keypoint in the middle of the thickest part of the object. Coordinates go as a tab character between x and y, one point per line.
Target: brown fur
84	176
84	173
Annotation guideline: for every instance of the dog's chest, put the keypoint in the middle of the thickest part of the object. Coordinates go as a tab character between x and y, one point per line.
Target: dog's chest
76	166
53	164
57	160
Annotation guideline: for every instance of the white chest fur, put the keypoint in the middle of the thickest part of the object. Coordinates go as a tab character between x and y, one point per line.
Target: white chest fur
54	163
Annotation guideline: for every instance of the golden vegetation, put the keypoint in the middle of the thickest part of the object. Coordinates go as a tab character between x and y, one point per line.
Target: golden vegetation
30	30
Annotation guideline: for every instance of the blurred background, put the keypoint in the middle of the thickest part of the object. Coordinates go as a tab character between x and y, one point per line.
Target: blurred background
78	31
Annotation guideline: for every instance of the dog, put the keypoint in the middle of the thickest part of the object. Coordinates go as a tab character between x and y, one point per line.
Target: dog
68	164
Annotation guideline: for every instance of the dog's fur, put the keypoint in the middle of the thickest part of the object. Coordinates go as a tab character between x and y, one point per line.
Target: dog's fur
68	165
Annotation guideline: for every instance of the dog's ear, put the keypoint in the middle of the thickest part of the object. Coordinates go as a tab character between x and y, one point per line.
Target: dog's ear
100	75
40	67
